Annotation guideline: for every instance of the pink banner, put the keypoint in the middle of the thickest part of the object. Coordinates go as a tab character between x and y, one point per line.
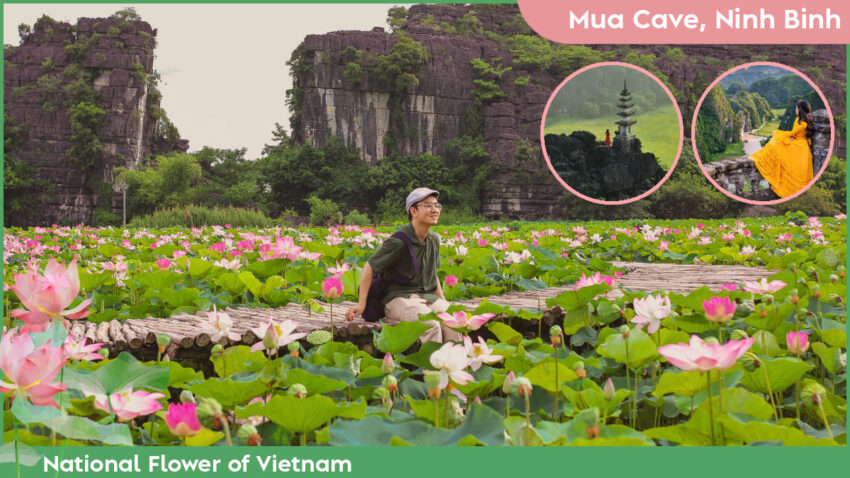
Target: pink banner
719	21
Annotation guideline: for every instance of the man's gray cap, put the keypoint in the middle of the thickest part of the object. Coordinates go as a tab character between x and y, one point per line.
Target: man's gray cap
417	195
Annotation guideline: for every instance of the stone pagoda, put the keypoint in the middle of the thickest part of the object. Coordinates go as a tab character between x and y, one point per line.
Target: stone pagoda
625	137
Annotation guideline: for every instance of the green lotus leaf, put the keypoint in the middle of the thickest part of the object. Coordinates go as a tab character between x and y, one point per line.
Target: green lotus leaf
205	437
681	383
238	359
481	425
300	415
829	356
782	372
229	393
25	454
74	427
114	375
543	375
753	431
398	338
318	337
316	384
505	333
641	348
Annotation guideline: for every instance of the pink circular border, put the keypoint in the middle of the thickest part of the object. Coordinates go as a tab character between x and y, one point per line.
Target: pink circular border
694	131
549	161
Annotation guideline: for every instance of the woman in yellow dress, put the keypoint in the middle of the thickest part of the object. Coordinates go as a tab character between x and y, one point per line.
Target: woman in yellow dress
786	160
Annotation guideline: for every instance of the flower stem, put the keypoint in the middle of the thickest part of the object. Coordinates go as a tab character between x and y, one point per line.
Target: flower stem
710	409
527	416
797	392
226	430
721	384
436	413
822	415
555	415
17	457
332	320
508	407
446	403
304	439
770	394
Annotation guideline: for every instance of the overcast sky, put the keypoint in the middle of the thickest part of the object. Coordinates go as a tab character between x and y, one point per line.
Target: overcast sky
223	66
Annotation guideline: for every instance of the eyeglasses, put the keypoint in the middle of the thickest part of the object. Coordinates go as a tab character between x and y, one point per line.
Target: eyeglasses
431	206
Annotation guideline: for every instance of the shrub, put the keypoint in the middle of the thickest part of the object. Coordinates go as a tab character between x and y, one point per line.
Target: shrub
323	212
357	218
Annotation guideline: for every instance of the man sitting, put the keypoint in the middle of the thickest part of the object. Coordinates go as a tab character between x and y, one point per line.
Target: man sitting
423	293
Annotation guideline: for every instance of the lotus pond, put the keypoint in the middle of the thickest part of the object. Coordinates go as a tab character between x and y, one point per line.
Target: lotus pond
752	364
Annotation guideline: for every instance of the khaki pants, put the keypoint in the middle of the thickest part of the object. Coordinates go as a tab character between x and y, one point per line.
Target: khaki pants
408	310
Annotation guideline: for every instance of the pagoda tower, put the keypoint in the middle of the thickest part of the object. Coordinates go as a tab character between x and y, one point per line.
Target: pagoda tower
624	130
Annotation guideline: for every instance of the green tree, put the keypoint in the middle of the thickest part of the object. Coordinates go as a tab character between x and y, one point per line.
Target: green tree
85	148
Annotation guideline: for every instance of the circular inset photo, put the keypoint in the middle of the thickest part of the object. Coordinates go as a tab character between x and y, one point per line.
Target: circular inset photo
611	133
762	133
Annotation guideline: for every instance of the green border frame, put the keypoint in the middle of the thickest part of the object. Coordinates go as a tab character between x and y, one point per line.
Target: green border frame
693	462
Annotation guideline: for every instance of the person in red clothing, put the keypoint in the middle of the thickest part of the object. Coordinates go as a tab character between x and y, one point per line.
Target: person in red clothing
608	138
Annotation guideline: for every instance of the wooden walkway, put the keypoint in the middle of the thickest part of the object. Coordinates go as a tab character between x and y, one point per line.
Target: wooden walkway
191	337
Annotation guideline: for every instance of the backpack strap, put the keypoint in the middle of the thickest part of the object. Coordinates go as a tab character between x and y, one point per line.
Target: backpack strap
406	240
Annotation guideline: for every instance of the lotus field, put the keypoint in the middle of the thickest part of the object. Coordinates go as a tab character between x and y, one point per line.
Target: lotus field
751	363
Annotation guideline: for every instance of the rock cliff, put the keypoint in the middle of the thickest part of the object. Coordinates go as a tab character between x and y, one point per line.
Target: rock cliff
85	94
448	102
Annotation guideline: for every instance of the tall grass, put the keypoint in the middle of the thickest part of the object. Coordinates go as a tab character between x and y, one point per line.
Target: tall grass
197	216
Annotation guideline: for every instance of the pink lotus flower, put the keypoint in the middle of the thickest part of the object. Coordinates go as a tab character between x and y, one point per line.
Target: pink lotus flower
729	287
482	242
451	281
128	404
310	256
31	369
338	271
182	419
285	247
80	351
594	279
479	353
273	335
702	356
798	342
650	310
719	309
163	264
450	361
47	296
332	288
462	320
763	286
840	217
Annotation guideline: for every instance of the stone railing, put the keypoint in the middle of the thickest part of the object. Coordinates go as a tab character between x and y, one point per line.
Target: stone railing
740	177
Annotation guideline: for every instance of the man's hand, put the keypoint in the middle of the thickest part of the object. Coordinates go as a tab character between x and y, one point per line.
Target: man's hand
354	312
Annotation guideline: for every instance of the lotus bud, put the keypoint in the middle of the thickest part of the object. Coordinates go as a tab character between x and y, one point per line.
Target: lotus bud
793	267
187	397
248	436
750	361
387	365
623	329
810	270
762	311
294	348
794	296
522	387
391	383
801	282
768	298
815	289
801	313
103	352
381	393
432	381
745	307
163	340
739	334
509	379
210	413
813	393
833	278
840	270
711	340
608	390
217	350
297	390
834	299
555	335
269	342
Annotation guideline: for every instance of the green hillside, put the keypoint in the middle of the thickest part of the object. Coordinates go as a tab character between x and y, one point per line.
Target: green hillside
658	131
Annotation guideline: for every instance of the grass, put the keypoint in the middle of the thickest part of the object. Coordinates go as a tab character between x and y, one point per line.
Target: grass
772	125
733	150
658	131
